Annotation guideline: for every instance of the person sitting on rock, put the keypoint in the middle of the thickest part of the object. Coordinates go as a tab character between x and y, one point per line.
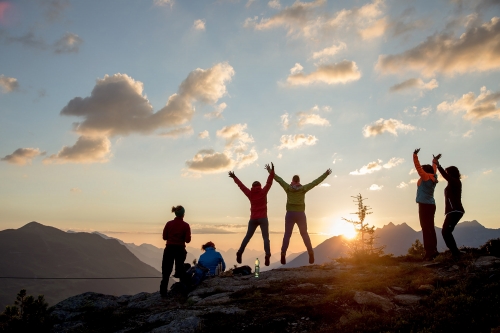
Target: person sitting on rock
177	233
211	258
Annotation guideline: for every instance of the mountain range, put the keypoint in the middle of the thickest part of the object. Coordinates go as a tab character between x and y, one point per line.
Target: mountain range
37	251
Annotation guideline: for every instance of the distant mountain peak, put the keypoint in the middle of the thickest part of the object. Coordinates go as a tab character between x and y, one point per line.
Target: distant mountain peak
469	224
32	224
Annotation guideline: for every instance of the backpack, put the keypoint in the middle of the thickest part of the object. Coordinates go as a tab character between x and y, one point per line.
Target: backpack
243	270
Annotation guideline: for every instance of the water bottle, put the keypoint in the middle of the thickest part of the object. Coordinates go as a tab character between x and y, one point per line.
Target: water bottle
217	272
257	267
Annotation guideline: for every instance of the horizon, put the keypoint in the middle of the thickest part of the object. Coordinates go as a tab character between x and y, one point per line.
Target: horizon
107	131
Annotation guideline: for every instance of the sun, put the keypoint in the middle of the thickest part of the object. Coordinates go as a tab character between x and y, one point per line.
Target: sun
343	228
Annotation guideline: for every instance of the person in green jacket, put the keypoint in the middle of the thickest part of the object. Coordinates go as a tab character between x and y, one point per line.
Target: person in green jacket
295	211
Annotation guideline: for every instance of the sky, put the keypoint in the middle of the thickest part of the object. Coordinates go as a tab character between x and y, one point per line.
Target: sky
111	112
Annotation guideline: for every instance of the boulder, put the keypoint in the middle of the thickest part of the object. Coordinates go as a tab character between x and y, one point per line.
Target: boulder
406	299
369	298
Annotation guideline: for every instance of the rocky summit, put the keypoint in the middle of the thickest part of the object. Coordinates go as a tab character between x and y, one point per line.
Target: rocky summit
386	294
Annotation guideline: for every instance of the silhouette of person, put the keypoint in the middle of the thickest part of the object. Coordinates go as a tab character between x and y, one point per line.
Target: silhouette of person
211	258
258	212
426	204
295	211
177	233
454	210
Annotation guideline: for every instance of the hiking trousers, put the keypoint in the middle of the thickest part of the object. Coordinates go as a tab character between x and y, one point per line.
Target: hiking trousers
299	218
172	253
264	228
450	222
426	214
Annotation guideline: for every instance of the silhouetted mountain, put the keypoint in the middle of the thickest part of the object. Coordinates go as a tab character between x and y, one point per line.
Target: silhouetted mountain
398	239
35	250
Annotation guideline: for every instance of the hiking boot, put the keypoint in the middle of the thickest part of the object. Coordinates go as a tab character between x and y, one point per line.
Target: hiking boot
238	257
283	258
311	257
267	260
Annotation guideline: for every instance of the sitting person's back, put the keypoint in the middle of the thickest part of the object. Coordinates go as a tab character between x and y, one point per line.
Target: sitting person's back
211	258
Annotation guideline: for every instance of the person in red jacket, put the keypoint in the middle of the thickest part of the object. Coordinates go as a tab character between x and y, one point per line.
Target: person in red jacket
258	212
177	233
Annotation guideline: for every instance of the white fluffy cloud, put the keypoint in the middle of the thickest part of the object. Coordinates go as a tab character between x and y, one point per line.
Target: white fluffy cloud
297	141
306	118
22	156
376	166
203	135
69	43
402	185
8	84
177	132
209	161
342	72
476	50
414	84
375	187
328	52
85	150
217	113
275	4
199	25
392	126
285	121
475	108
117	106
395	161
374	30
235	135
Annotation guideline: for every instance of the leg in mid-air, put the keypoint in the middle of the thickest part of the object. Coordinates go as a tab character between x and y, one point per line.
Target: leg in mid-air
252	225
264	228
289	223
302	224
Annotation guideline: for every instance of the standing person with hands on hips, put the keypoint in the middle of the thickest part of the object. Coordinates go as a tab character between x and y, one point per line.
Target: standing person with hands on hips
454	210
295	210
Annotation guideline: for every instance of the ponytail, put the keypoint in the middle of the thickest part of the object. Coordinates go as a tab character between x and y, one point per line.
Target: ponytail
178	210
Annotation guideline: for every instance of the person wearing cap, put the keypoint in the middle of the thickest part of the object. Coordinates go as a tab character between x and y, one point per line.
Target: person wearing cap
177	233
258	212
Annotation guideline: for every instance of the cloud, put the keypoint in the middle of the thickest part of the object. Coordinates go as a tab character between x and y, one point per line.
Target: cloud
175	133
217	113
203	135
468	134
162	3
204	231
342	72
375	187
306	118
199	25
395	161
280	155
369	168
117	106
377	29
413	181
275	4
249	3
297	141
54	8
402	185
328	52
85	150
75	190
243	160
476	50
8	84
296	69
324	185
389	125
235	134
69	43
487	172
414	83
484	106
285	121
22	156
412	171
209	161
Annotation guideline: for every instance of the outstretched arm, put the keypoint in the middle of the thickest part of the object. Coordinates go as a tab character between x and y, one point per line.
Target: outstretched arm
281	182
317	181
418	167
435	162
238	182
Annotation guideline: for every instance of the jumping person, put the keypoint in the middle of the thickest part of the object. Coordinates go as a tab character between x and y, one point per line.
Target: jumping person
177	233
295	210
258	212
211	258
453	204
426	204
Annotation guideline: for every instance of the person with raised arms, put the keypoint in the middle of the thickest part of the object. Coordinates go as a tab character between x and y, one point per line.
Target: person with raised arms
426	204
295	210
258	212
454	210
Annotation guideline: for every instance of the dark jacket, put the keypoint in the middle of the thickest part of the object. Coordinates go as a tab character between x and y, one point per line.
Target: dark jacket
257	196
452	193
177	232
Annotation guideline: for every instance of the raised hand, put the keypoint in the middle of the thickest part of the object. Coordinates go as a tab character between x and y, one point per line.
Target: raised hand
436	159
268	168
416	151
231	174
329	171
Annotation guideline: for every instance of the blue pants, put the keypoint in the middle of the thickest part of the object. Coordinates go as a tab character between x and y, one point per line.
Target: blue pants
264	228
290	219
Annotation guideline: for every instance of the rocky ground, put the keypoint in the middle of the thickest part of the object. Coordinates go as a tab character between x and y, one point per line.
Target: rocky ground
393	295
